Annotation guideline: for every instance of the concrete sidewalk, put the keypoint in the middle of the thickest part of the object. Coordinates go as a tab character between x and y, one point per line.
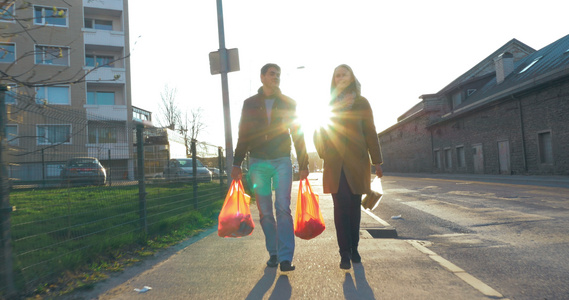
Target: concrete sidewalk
210	267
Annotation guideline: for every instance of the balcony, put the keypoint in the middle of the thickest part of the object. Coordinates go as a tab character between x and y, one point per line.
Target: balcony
106	75
103	37
107	4
107	112
101	151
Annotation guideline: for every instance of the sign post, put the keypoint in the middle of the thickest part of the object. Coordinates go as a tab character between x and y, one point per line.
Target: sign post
225	63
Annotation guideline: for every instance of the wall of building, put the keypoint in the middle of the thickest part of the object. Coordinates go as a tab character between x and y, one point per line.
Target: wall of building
410	147
541	111
407	147
547	110
487	128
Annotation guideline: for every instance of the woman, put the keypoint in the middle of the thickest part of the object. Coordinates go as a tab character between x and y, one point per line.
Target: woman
344	145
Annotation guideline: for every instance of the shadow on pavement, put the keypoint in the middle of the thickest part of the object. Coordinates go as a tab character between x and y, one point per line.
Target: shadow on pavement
283	289
263	285
360	289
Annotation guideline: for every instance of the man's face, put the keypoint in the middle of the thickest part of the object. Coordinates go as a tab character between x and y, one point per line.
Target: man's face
272	78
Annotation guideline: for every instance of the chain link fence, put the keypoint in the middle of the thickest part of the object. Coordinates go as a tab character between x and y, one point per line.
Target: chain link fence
77	185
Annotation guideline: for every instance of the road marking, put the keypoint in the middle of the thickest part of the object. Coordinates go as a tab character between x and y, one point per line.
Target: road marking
381	221
460	273
469	216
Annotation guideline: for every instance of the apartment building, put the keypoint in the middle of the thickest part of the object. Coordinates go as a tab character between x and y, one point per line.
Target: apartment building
67	67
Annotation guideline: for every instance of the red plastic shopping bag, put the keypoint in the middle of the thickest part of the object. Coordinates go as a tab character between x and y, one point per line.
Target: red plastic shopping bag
309	222
235	217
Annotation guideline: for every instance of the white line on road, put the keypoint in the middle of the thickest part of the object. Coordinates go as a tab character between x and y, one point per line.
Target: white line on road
460	273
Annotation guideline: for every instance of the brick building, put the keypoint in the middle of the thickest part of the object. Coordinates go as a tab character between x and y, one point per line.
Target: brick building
506	115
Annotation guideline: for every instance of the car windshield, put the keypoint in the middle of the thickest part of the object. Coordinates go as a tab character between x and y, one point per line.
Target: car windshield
187	163
83	163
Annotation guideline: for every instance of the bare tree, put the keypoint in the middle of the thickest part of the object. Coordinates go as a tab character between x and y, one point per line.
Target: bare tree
170	115
191	126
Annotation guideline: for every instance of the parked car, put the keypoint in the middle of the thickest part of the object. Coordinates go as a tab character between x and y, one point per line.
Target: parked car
83	170
215	173
182	168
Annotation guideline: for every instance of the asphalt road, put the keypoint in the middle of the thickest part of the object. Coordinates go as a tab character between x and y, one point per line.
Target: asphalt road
513	237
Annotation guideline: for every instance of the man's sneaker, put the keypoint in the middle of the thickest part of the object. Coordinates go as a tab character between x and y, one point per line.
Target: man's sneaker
287	266
273	261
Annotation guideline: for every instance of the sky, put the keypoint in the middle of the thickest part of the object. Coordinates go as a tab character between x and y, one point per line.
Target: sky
399	50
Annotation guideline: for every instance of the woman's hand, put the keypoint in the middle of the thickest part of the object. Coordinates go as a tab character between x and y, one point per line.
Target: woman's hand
378	170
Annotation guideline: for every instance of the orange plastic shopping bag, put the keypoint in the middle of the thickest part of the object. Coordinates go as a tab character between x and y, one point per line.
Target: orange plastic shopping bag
309	222
235	217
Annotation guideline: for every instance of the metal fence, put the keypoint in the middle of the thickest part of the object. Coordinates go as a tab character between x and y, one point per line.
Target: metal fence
59	212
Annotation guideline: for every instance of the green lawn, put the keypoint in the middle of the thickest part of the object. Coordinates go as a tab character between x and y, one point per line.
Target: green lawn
56	230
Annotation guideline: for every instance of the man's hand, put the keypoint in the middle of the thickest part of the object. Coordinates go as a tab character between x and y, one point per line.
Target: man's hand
303	174
236	173
378	170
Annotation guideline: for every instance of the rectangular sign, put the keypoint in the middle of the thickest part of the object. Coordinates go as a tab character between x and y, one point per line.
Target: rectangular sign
232	61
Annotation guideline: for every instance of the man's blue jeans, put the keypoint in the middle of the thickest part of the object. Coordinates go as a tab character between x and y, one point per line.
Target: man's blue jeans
279	233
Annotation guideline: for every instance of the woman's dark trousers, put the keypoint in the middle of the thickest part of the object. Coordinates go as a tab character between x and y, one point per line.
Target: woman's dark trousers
347	216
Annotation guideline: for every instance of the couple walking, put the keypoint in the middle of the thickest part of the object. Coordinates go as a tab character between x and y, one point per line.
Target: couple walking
268	121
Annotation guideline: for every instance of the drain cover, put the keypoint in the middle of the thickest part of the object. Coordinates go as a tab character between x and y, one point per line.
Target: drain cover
382	233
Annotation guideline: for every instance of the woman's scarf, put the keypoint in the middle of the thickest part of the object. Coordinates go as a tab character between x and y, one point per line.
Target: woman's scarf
345	100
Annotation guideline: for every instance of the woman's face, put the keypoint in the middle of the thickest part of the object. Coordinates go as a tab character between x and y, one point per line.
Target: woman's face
342	78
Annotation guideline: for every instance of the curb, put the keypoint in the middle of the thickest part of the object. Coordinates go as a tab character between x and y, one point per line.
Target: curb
378	232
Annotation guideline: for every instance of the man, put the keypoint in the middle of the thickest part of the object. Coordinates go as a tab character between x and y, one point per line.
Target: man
268	120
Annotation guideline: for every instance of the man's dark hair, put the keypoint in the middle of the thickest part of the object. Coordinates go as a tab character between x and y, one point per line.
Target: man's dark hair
266	67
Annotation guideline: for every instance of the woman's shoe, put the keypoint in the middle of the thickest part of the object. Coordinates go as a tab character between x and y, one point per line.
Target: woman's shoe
356	258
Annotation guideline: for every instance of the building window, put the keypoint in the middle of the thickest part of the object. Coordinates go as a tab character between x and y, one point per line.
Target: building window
140	114
448	158
53	16
456	99
101	98
545	148
7	53
99	61
99	24
53	134
53	95
7	11
50	55
101	135
469	92
12	135
10	95
460	157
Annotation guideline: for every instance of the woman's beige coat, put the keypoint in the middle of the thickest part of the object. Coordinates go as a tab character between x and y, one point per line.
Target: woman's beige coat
348	143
